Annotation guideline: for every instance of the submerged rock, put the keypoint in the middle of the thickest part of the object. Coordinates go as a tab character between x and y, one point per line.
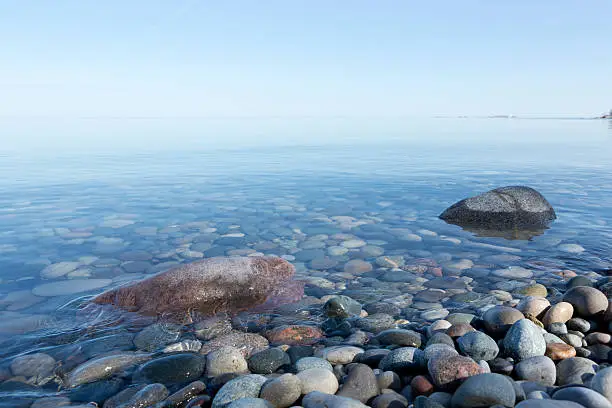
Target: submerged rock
206	287
502	209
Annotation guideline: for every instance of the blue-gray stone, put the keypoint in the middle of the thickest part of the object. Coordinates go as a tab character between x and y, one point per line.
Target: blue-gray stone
540	369
524	340
485	390
402	360
583	396
478	346
250	403
242	387
306	363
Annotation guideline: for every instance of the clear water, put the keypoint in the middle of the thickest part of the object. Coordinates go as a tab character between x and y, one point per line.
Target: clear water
112	196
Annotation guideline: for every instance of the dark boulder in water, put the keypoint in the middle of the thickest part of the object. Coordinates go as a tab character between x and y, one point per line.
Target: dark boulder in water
205	288
512	208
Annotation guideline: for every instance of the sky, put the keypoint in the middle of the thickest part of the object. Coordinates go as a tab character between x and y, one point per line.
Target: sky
303	58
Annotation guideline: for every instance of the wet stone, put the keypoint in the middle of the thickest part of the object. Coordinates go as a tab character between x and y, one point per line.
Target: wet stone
342	306
225	360
156	336
268	361
376	323
400	337
242	387
177	368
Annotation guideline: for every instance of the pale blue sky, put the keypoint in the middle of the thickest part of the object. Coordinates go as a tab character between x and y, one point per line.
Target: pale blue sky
132	58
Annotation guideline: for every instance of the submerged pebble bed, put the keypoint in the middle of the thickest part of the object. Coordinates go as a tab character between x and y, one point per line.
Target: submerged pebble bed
400	309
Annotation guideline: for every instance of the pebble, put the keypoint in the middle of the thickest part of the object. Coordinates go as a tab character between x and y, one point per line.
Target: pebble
478	346
543	403
283	391
317	379
537	289
448	371
559	351
533	305
499	319
156	336
33	365
175	368
459	329
312	362
400	337
485	390
524	340
342	306
540	369
513	272
582	396
376	323
317	399
57	270
357	267
147	396
101	368
586	301
247	343
225	360
268	361
294	335
401	360
575	370
389	379
360	383
339	354
180	397
602	382
212	327
241	387
250	402
558	313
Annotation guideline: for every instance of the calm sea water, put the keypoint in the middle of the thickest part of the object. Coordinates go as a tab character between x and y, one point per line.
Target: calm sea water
117	208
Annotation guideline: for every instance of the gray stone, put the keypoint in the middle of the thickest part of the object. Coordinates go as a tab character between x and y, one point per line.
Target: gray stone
400	337
575	370
540	369
403	359
102	368
389	399
587	301
376	323
485	390
283	391
305	363
224	361
147	396
360	384
544	403
321	400
582	396
242	387
524	340
156	336
318	379
250	402
33	365
478	346
602	382
268	361
504	208
342	306
499	319
176	368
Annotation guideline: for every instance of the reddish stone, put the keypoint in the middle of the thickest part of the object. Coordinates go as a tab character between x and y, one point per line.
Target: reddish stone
559	351
421	385
204	288
295	335
447	372
459	329
437	271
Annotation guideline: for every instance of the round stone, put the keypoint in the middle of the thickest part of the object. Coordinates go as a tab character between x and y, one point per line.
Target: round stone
524	340
317	379
548	403
246	386
559	351
499	319
587	301
448	371
537	289
485	390
357	267
225	360
436	351
268	361
559	313
31	365
459	329
602	382
513	272
400	337
339	354
533	305
403	359
540	369
176	368
156	336
578	324
575	370
342	306
478	346
578	281
294	335
250	402
583	396
376	323
353	243
360	383
283	391
306	363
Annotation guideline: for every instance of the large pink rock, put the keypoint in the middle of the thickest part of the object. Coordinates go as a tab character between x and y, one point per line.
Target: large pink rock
204	288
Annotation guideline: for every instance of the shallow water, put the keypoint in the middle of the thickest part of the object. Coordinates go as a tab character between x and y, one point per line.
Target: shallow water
119	215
